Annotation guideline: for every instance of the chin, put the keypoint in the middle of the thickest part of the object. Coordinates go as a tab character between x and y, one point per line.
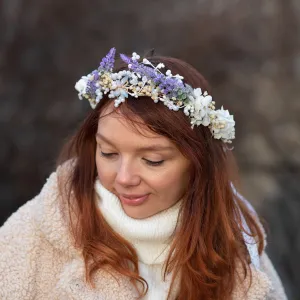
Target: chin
137	213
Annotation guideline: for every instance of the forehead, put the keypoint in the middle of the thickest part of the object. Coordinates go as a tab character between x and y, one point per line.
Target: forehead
118	129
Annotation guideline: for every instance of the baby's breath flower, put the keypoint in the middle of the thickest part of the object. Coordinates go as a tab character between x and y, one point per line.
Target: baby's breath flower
135	56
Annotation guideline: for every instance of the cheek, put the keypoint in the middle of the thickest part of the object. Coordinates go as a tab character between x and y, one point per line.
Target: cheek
105	174
171	183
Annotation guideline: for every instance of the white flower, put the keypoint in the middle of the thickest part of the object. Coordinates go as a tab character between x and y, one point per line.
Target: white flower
81	86
160	65
222	126
124	80
99	95
114	76
146	61
135	56
93	104
178	76
134	80
198	92
202	109
169	73
114	84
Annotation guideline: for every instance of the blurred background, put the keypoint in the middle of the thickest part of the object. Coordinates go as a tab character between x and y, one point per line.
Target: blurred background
248	50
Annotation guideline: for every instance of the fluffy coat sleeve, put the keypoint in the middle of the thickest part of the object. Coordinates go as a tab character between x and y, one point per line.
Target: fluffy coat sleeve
277	292
19	248
23	244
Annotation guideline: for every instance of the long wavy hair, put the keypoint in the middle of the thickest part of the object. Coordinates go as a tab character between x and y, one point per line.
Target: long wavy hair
208	244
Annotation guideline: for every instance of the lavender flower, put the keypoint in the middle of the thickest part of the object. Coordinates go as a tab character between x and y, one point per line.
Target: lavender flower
108	61
170	86
96	75
127	59
91	89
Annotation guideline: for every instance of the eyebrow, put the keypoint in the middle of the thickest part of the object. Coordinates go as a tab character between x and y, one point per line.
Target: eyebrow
140	149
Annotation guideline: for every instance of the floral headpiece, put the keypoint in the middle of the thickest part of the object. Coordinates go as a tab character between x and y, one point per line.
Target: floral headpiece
145	79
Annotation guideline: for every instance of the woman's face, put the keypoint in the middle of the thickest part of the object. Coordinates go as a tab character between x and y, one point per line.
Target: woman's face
145	171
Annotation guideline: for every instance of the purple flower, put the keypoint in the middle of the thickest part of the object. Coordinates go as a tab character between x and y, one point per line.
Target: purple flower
96	75
127	59
141	69
170	86
108	61
91	89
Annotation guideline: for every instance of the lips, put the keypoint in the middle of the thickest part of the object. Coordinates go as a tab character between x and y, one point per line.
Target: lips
133	200
132	196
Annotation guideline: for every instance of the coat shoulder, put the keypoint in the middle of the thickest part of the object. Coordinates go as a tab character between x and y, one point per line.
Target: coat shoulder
23	236
19	247
277	291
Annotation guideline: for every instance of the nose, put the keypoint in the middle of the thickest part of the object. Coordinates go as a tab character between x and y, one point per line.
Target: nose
127	174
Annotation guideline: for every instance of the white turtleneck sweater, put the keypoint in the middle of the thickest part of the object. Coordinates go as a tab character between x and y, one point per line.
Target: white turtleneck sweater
150	238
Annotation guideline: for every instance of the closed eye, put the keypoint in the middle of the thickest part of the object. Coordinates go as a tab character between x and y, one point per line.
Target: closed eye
108	155
153	163
149	162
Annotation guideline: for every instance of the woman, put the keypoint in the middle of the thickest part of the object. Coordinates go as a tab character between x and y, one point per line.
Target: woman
143	203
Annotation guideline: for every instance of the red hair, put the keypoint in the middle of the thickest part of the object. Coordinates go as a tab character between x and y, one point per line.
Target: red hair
208	243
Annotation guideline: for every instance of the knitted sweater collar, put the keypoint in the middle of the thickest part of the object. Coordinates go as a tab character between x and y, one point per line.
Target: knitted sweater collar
150	237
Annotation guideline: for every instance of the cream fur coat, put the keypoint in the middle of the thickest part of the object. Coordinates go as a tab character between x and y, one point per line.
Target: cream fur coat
38	260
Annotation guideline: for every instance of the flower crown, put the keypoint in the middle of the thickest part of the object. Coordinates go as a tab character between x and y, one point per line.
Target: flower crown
145	79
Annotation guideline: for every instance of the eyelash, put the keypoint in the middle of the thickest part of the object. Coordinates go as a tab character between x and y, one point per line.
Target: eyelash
108	155
149	162
154	163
